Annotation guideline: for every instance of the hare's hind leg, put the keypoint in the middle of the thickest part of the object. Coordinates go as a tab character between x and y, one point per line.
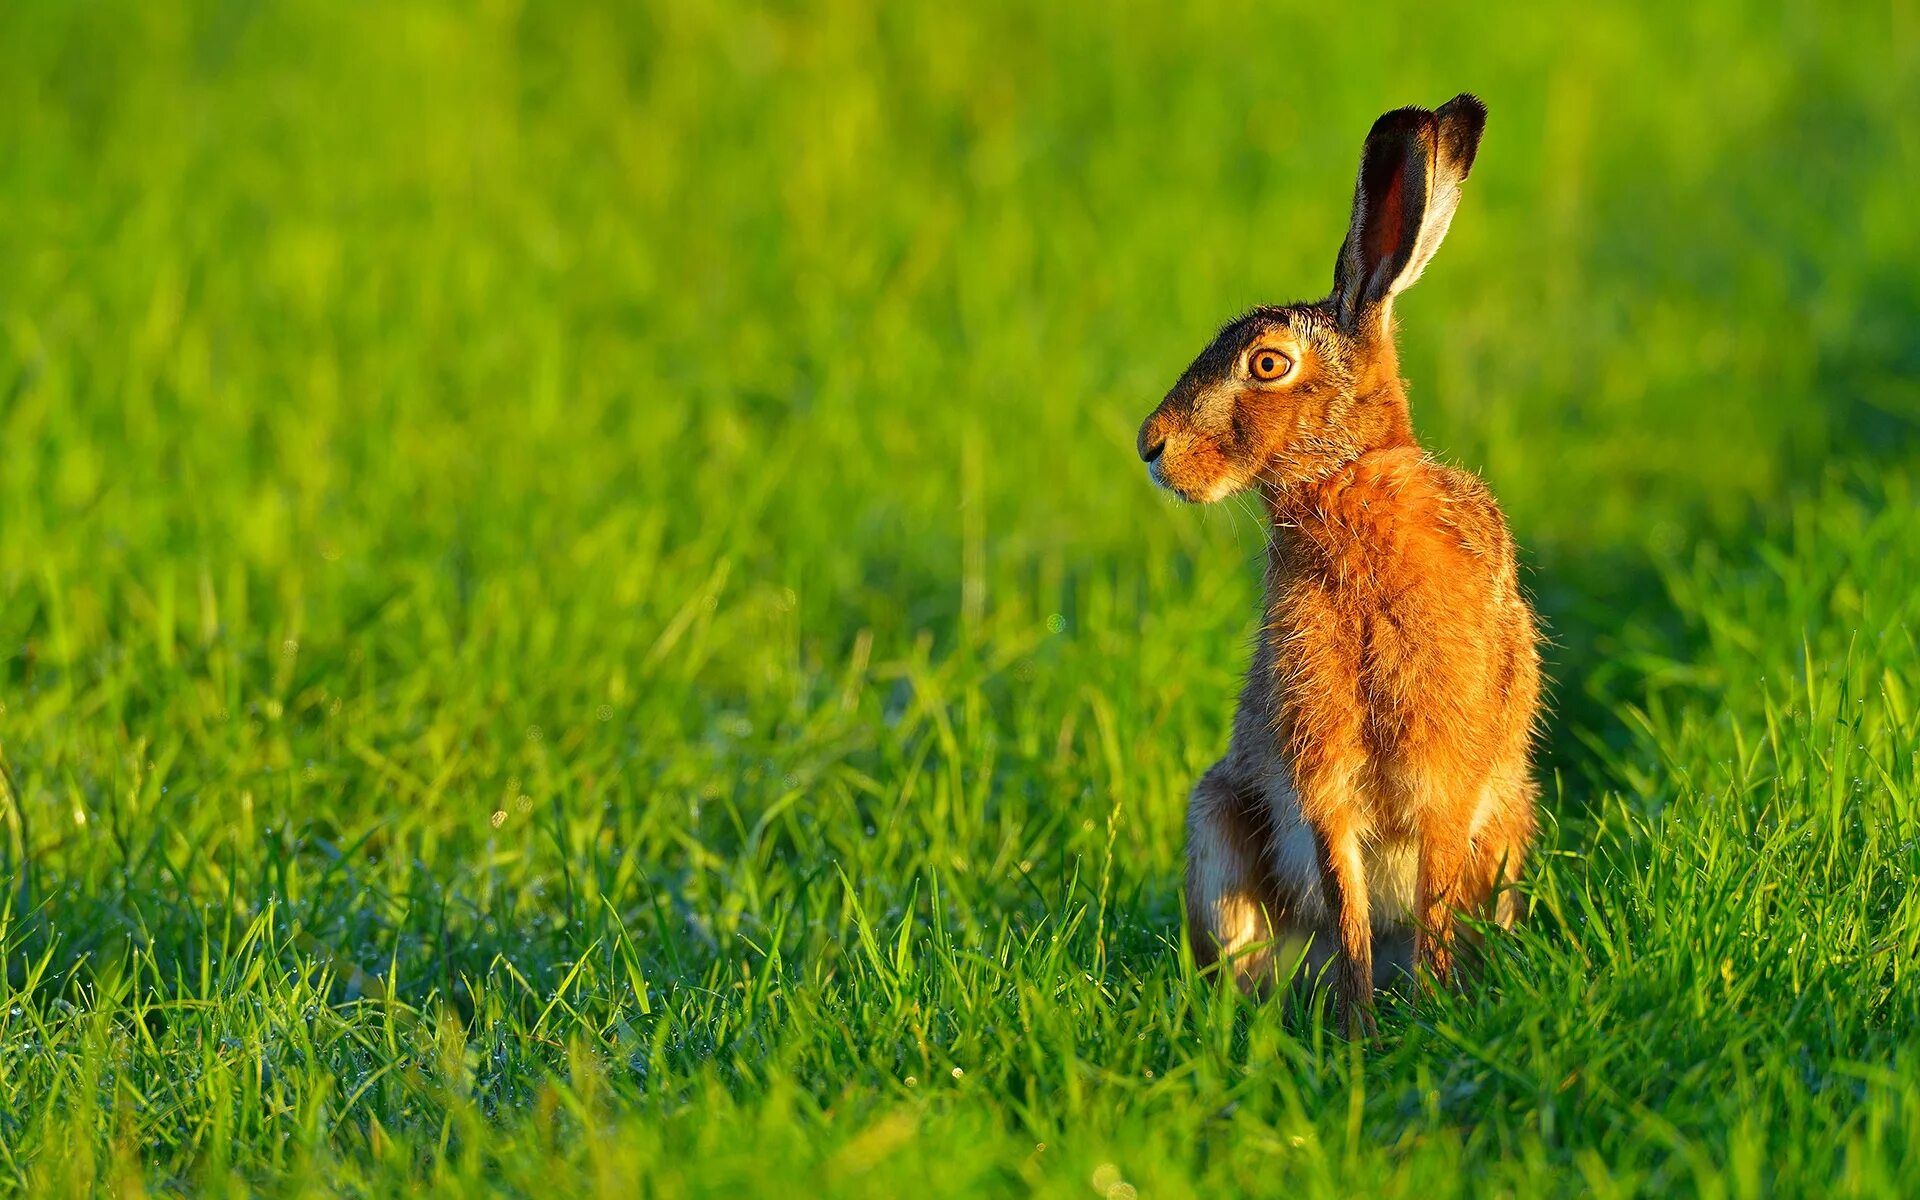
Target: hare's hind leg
1466	855
1228	895
1495	853
1499	853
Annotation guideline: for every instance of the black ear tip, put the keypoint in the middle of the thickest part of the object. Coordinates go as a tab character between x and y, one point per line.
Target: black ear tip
1462	120
1401	121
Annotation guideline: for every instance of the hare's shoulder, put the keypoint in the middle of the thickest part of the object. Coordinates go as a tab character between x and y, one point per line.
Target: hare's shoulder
1470	511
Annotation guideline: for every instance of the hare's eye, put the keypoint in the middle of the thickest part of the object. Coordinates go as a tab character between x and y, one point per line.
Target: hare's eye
1269	365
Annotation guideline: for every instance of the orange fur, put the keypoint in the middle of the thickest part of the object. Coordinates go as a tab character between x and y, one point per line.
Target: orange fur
1379	776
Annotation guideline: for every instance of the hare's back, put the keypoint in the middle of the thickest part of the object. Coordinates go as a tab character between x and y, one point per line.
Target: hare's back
1476	517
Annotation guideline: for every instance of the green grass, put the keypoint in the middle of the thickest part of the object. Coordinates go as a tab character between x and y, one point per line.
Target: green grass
578	615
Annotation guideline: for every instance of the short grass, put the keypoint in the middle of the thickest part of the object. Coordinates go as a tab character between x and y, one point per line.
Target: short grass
577	615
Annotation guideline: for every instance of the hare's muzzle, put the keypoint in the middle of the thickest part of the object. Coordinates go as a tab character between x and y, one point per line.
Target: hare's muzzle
1152	444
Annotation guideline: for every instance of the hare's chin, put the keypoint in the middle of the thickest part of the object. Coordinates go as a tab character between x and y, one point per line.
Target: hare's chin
1219	489
1161	481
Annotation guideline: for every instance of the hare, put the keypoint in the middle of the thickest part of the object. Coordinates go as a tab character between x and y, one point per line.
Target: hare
1378	780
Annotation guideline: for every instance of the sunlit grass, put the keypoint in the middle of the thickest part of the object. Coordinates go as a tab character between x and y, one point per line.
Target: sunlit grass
577	612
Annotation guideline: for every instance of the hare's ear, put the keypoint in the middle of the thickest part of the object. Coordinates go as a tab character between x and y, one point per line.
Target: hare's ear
1410	174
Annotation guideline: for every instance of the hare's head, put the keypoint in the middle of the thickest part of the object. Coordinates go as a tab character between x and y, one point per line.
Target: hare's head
1287	393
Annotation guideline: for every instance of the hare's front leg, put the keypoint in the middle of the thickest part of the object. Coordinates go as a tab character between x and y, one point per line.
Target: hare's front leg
1328	802
1444	854
1227	914
1343	875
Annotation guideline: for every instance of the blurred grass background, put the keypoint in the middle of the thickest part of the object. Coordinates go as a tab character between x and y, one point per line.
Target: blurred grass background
581	569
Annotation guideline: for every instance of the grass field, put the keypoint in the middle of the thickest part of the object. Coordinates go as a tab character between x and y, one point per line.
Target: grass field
578	614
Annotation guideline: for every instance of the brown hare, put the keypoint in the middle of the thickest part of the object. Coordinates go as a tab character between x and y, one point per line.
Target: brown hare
1378	781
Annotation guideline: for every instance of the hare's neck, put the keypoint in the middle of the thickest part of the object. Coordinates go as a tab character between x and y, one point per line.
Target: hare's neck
1320	524
1380	419
1297	479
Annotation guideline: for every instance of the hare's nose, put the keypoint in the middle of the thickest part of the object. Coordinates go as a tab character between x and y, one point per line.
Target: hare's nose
1149	453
